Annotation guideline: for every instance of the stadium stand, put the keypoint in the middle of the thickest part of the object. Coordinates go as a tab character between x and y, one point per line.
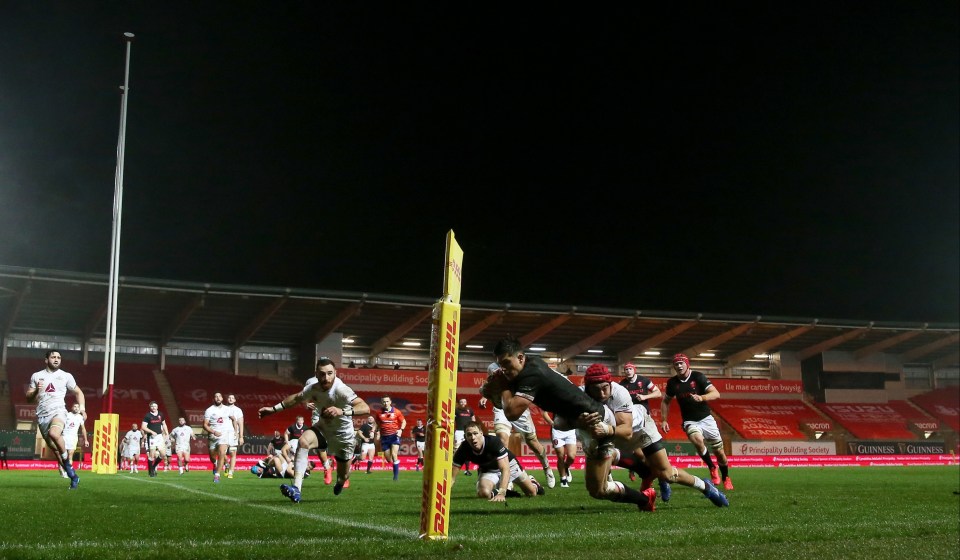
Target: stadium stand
880	421
944	405
194	386
767	419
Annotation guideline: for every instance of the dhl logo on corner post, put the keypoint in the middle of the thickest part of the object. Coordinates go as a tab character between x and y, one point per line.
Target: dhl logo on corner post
105	431
441	396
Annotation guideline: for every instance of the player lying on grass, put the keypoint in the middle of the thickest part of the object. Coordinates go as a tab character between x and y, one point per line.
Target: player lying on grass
274	466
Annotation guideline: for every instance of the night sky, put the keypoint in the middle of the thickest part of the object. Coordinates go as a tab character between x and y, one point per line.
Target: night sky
801	161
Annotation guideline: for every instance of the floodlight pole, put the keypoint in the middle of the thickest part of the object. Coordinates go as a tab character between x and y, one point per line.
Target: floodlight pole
110	346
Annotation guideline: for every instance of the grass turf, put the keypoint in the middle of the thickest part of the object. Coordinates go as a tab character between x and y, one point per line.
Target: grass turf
845	512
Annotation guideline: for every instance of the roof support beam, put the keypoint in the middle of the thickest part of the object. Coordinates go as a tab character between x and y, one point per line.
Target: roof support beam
93	322
332	325
921	351
654	340
168	333
396	334
822	347
483	325
765	346
586	343
716	341
251	329
535	334
885	343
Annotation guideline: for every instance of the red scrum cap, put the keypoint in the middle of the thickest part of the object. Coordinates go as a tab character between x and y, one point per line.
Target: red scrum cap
629	366
681	358
597	373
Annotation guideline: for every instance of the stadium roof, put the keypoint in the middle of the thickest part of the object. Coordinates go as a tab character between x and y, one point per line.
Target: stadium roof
167	313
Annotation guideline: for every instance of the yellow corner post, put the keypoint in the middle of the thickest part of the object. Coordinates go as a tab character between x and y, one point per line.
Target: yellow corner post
441	397
105	433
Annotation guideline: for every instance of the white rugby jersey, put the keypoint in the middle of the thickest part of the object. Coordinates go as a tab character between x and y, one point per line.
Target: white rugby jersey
340	395
51	398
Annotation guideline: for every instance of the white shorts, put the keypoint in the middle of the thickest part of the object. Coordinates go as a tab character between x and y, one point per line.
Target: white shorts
494	476
645	432
340	444
562	438
215	442
44	421
368	448
131	451
421	445
70	443
184	449
524	424
706	426
157	443
294	444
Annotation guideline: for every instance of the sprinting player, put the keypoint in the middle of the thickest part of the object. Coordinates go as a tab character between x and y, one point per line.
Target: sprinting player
131	447
337	403
642	390
462	415
497	467
48	387
692	390
390	424
181	436
419	433
525	427
154	426
72	431
599	385
237	440
565	448
321	448
368	436
219	423
524	380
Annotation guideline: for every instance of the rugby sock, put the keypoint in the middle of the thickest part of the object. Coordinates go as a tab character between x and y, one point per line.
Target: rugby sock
369	466
543	460
67	467
631	496
618	492
396	470
724	470
706	459
300	467
632	464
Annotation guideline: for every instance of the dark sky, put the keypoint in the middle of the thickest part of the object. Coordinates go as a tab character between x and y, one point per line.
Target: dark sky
799	161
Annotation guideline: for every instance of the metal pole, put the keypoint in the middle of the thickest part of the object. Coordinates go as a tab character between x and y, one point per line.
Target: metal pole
109	362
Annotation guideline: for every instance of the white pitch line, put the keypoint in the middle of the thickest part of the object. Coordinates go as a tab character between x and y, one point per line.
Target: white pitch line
296	511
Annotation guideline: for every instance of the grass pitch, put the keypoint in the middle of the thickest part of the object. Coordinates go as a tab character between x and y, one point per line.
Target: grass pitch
873	513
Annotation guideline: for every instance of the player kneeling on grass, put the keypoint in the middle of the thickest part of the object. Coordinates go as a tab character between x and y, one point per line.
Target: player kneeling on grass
498	467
